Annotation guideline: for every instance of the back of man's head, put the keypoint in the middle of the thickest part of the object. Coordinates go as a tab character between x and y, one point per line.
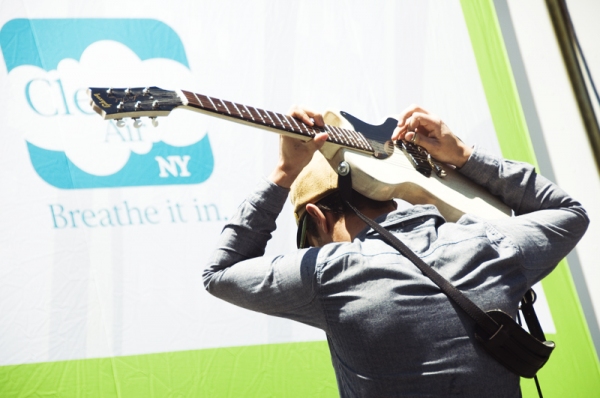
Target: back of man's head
318	184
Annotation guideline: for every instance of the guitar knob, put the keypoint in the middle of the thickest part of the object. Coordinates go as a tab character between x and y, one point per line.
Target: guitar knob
120	123
154	121
137	123
438	170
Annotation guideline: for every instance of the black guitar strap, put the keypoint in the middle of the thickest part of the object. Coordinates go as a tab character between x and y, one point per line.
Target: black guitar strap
482	319
533	324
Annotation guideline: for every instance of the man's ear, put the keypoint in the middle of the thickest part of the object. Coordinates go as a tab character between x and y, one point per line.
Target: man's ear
318	216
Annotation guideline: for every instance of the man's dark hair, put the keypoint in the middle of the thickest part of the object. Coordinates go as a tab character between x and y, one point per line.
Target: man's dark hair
334	204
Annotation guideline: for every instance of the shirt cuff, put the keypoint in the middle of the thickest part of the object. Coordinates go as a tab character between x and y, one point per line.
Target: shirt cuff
481	167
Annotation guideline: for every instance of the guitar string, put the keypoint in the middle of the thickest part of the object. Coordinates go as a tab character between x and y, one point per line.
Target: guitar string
392	159
343	138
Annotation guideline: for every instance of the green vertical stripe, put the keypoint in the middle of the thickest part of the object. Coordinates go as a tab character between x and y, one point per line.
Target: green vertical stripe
498	83
573	369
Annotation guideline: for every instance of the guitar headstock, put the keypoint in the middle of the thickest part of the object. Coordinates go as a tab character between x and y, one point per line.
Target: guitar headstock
118	103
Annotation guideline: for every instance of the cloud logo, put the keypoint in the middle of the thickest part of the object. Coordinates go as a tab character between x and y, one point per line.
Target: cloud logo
51	62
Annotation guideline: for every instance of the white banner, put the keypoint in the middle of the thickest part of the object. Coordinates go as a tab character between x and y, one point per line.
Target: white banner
106	229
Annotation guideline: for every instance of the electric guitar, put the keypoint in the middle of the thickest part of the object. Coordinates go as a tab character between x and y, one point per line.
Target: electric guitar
381	169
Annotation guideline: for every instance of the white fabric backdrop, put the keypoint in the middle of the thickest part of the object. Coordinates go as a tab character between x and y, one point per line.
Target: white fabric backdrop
91	291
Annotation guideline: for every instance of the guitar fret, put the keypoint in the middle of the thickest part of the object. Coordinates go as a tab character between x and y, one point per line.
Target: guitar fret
350	138
206	104
284	121
279	120
276	120
339	139
249	113
256	113
240	111
345	137
236	108
269	116
231	108
307	130
333	135
190	97
227	109
198	102
312	131
287	120
297	125
366	144
357	138
213	104
336	134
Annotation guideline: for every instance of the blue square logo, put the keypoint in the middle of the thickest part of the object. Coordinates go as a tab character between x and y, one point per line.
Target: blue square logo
48	61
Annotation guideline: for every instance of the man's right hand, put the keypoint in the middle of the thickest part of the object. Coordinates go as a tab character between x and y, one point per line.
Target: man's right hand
295	154
429	131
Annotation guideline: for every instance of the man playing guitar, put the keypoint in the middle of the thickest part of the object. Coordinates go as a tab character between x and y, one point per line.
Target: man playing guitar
390	330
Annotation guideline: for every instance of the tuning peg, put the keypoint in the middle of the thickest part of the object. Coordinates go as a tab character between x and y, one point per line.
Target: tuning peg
120	106
137	123
154	121
146	91
138	105
120	123
155	104
109	91
127	91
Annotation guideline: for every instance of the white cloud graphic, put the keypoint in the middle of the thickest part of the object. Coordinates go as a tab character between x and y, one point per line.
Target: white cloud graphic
51	109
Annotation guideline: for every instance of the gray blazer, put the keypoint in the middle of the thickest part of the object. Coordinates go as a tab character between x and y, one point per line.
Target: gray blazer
391	331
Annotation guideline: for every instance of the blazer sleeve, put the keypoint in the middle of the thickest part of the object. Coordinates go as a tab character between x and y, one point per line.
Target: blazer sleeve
238	271
547	224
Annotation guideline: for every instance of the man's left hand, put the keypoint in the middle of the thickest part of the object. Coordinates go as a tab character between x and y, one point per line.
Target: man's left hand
295	154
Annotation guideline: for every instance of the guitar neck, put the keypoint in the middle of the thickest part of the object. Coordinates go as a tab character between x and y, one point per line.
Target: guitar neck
283	124
374	176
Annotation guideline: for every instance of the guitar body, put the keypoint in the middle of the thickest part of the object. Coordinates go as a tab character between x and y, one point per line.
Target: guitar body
395	177
380	169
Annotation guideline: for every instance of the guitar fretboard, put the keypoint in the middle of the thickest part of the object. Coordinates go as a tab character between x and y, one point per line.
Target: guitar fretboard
278	121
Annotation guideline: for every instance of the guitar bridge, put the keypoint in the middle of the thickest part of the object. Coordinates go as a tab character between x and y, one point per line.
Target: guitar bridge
421	159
